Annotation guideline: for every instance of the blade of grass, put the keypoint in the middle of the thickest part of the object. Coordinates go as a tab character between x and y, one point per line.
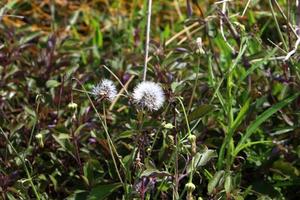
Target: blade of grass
241	115
250	144
277	26
261	119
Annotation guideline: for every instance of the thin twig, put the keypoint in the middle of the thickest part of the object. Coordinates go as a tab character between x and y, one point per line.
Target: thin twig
188	28
176	3
77	90
298	17
124	88
277	45
222	29
219	2
286	18
268	59
147	38
296	32
176	187
247	5
293	51
184	39
116	79
277	25
14	16
230	27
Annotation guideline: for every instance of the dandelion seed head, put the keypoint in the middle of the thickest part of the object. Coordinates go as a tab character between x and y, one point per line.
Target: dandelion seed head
106	89
149	95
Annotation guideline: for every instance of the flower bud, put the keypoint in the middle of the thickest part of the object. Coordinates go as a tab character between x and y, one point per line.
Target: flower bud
200	45
168	125
192	140
190	187
72	106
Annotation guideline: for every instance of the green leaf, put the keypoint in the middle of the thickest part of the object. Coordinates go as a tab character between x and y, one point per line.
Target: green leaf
78	195
214	181
63	140
30	37
155	172
207	156
89	169
54	181
98	38
7	6
30	111
241	115
79	128
52	83
125	134
262	118
201	159
228	184
102	191
166	33
286	168
200	112
88	172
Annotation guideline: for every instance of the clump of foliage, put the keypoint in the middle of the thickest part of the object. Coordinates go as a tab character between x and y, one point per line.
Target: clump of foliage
223	123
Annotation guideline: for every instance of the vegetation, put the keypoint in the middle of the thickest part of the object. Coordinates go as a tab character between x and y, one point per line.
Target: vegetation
218	117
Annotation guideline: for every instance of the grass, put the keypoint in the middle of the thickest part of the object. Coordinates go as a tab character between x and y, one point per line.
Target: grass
229	126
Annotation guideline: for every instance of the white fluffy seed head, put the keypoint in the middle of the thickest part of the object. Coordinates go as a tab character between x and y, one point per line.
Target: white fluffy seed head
106	89
149	95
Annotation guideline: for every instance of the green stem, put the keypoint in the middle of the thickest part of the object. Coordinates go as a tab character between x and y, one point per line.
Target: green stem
35	122
228	111
277	25
194	87
239	148
110	143
185	116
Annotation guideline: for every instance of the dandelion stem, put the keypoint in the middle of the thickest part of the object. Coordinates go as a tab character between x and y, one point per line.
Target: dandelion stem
111	146
121	92
116	77
185	116
175	191
147	38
